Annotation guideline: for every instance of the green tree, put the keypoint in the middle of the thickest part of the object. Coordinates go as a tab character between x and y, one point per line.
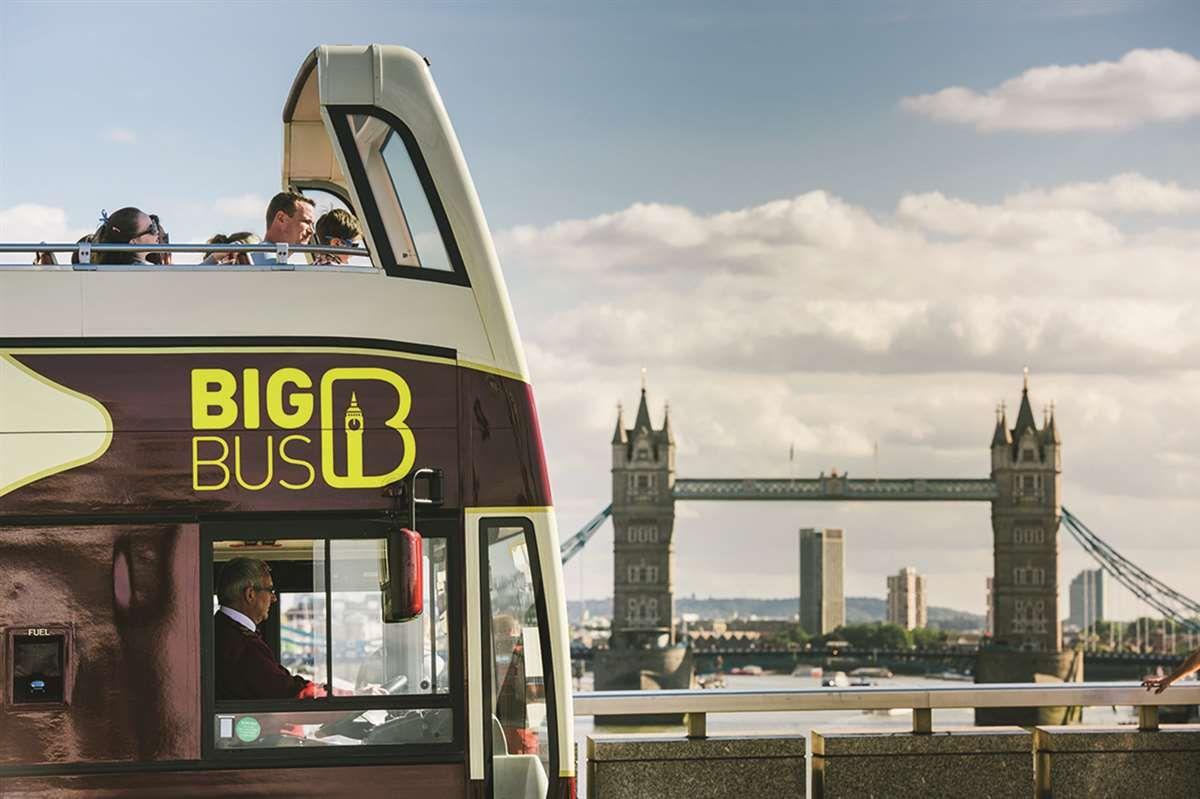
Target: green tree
927	638
877	635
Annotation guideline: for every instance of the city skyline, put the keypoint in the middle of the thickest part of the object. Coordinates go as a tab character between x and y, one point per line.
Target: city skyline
833	245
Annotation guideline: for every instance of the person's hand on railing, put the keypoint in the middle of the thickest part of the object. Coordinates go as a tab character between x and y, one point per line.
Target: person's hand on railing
1156	684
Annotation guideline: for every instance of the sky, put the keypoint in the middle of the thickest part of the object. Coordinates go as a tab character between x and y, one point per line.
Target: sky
820	227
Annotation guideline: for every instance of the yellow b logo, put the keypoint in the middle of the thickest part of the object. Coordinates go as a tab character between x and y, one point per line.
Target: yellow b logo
352	428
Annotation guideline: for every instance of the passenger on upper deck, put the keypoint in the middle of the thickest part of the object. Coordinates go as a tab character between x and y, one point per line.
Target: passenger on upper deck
160	258
238	258
337	228
246	667
289	221
125	226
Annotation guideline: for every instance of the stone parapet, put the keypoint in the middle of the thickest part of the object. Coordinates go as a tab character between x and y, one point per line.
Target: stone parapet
996	763
1112	762
745	766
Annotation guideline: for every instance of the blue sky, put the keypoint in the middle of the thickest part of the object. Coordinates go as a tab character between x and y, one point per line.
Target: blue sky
786	212
567	110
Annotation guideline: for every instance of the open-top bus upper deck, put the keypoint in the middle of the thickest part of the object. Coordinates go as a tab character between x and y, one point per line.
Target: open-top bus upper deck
156	422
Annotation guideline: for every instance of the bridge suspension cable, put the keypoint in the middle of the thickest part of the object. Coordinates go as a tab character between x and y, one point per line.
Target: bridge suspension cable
572	546
1180	609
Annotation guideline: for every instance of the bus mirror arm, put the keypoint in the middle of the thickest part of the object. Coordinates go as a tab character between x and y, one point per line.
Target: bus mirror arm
403	595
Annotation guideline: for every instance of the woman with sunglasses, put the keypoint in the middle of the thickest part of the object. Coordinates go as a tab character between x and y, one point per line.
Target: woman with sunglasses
125	226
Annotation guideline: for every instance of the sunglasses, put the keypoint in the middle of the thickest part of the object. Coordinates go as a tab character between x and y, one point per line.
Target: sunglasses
153	229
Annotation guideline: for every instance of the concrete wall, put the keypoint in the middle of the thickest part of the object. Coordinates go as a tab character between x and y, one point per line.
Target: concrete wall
746	767
1118	762
996	763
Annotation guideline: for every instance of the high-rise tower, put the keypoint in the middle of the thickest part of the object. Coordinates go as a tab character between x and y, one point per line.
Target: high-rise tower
822	566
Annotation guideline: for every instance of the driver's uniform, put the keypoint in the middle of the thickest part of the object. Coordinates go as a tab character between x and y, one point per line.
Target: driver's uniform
246	666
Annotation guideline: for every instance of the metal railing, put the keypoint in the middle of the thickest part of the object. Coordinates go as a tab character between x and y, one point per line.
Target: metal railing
696	705
87	252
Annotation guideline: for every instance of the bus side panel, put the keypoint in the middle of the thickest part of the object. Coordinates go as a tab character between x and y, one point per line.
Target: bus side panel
128	595
277	436
363	782
502	461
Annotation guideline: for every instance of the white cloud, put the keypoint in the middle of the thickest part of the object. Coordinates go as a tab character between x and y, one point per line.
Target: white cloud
1052	228
119	136
812	322
245	209
1143	86
30	222
1128	192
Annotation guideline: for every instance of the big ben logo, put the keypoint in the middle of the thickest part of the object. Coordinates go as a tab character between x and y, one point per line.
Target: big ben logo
352	424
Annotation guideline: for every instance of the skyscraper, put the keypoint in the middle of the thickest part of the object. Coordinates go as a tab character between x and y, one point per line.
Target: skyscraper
906	599
1087	598
822	561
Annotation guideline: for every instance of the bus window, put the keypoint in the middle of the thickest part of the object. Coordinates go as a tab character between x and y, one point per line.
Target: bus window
387	684
401	204
519	698
430	252
370	656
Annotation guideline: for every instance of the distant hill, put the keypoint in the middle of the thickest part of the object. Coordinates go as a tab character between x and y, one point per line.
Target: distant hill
859	610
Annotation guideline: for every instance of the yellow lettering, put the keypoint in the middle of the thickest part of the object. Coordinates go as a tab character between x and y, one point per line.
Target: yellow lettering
218	463
354	478
237	464
250	413
283	455
213	388
301	402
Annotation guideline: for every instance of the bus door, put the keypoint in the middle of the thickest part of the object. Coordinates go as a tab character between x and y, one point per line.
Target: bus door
521	748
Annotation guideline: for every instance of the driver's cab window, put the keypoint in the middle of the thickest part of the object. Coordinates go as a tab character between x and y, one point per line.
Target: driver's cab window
301	655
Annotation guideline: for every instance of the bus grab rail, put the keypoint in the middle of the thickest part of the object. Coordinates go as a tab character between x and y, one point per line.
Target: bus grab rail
85	249
922	701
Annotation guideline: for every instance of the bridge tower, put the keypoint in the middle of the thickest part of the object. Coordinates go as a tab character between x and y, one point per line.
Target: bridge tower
1027	630
643	514
1027	471
642	652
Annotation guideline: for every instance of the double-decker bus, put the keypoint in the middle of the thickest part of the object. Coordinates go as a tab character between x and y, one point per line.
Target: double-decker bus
366	431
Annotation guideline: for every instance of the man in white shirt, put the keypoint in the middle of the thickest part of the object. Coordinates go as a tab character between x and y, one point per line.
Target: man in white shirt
290	220
245	665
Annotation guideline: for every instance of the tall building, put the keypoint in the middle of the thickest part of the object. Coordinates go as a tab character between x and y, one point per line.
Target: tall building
906	599
822	562
1027	471
1087	598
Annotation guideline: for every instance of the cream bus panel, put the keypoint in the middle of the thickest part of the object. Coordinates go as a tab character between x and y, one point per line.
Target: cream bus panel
181	304
34	304
30	405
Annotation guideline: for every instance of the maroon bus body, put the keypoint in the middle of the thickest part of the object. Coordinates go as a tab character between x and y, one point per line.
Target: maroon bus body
111	551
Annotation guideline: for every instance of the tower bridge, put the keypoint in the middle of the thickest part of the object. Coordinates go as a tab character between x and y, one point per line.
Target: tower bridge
1023	488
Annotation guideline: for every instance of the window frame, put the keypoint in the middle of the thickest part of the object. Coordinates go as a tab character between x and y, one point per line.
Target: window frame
339	116
328	529
487	656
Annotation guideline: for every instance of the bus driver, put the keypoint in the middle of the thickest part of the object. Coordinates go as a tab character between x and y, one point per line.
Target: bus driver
245	666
